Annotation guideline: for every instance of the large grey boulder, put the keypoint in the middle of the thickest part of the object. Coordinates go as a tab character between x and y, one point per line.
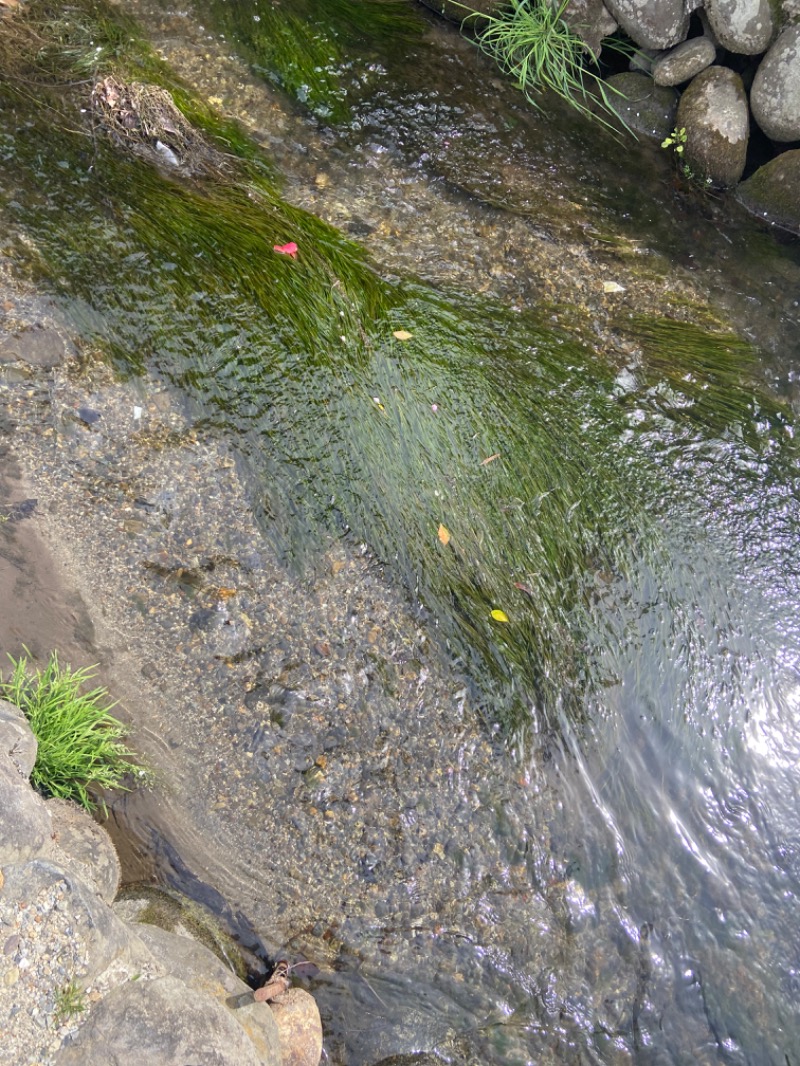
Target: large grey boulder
775	95
97	937
159	1022
684	61
645	107
743	26
773	192
25	824
16	738
713	110
84	848
652	25
203	972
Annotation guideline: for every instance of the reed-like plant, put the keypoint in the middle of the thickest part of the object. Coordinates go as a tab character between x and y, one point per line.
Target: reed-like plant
533	43
79	741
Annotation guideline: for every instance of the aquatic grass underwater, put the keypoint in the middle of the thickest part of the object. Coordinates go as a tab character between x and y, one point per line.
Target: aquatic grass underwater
504	431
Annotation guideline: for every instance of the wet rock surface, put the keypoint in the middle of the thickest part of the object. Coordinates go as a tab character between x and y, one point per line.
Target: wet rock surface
773	192
713	111
648	109
651	25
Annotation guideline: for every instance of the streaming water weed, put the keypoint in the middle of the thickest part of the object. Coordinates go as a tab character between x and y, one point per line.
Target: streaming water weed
382	410
80	744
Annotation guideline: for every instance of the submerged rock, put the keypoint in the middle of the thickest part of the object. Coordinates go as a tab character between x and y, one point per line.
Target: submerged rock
684	62
775	96
743	26
714	112
773	192
645	107
660	25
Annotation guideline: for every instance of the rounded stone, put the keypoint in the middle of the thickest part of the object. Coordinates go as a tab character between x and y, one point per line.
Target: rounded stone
299	1027
775	95
16	738
684	62
743	26
160	1021
645	107
651	25
83	847
591	21
713	110
773	192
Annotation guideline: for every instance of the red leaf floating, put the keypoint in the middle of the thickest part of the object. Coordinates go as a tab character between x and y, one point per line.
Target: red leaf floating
286	249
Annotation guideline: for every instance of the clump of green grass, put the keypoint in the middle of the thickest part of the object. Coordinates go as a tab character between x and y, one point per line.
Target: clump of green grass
533	44
70	1000
80	742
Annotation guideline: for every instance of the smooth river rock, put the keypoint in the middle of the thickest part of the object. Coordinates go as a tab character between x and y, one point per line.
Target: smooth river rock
160	1022
652	25
775	95
648	109
743	26
773	192
684	62
297	1017
714	112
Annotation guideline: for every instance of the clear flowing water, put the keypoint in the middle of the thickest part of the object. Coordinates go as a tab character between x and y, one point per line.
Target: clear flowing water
655	917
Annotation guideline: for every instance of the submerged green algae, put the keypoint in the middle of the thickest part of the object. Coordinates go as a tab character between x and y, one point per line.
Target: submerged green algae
305	48
494	464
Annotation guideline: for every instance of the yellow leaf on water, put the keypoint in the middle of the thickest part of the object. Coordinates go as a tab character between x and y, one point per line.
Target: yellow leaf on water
613	286
444	534
402	335
499	616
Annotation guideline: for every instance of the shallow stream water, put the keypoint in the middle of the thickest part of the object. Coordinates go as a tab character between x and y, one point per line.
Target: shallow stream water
622	888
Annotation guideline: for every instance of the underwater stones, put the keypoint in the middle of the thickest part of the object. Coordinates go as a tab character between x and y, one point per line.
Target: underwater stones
773	192
645	107
775	96
651	25
743	26
37	347
163	1023
714	112
455	12
684	62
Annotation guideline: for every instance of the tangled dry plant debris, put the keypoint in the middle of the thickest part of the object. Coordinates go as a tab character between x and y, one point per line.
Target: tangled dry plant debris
145	118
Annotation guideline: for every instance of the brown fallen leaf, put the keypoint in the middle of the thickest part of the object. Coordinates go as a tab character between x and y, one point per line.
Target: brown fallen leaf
490	459
444	534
